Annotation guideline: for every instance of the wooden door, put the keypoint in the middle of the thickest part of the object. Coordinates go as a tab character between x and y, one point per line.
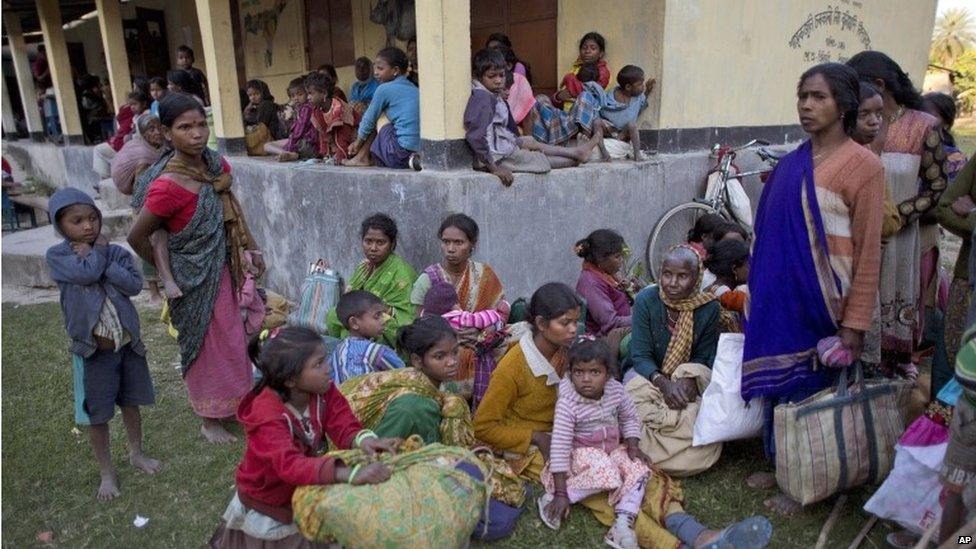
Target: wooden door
329	33
530	25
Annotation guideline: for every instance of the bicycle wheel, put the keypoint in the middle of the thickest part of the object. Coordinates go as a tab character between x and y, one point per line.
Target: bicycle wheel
673	228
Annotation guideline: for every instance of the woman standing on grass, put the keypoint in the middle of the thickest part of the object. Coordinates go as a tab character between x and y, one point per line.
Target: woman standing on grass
815	261
188	194
911	148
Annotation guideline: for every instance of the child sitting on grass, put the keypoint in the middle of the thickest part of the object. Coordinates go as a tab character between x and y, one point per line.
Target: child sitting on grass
363	314
96	280
288	114
395	145
286	418
594	448
325	126
492	134
620	108
362	90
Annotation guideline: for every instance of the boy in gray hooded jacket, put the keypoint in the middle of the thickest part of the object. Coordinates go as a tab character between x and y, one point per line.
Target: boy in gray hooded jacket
96	280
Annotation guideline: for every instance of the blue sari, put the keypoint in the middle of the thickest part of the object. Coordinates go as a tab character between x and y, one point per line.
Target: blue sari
788	312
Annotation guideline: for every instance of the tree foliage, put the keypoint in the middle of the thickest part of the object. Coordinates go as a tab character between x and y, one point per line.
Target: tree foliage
954	33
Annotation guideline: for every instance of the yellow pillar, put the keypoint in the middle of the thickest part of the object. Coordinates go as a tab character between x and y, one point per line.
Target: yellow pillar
113	42
9	120
217	35
25	78
49	13
444	59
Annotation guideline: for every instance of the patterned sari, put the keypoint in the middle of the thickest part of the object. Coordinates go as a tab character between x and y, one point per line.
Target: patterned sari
391	282
478	289
915	174
371	395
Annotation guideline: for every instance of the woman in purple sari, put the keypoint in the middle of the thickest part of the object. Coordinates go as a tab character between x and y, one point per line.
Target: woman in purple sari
816	258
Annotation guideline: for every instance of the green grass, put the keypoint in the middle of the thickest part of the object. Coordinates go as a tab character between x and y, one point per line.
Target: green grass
50	477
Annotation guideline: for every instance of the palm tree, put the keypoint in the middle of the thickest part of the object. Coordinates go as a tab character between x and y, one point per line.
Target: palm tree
954	33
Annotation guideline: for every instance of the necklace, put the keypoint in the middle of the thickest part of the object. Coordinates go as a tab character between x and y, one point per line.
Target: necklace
894	117
824	153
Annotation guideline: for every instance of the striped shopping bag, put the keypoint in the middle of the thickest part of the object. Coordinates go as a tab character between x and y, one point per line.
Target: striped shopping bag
320	293
841	437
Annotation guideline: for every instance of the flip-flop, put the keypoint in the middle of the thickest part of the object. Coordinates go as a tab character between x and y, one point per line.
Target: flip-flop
544	500
750	533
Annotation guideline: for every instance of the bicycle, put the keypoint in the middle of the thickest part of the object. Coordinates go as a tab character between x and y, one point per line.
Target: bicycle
674	226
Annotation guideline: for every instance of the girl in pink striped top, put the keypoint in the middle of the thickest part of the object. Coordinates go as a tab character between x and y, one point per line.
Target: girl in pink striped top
594	414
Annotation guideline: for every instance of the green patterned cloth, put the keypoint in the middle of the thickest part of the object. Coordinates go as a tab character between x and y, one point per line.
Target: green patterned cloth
427	502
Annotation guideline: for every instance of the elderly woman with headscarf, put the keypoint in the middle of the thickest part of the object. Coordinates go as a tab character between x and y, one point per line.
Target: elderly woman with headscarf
674	338
138	153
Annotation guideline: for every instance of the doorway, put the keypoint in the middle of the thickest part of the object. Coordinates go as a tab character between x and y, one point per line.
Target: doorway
530	25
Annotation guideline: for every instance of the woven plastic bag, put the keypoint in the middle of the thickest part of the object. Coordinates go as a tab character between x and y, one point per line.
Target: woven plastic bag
910	494
427	502
839	438
724	415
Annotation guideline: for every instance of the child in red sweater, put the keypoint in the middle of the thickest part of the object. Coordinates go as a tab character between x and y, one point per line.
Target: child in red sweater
286	418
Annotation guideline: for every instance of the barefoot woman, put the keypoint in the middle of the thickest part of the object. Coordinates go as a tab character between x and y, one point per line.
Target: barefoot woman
817	254
187	192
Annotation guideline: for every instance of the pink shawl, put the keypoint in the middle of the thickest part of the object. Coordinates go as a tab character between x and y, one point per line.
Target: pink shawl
520	98
134	153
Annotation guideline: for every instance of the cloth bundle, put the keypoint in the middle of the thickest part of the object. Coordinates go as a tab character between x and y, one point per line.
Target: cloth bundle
427	502
833	353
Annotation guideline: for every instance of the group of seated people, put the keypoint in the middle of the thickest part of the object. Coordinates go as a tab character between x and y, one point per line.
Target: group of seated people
508	128
445	356
144	100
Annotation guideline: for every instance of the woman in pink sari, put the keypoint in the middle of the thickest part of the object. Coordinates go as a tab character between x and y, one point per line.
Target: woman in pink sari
187	193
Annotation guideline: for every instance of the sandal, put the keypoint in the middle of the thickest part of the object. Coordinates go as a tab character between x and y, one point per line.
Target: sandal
543	501
750	533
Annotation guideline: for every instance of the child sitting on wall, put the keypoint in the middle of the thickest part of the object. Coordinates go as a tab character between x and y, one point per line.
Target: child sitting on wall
363	315
620	108
288	114
592	49
362	90
492	134
325	125
330	71
395	145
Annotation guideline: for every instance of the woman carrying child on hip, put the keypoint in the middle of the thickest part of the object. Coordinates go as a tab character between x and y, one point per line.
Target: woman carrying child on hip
396	144
188	193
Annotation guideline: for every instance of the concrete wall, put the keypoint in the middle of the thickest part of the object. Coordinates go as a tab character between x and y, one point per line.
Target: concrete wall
301	213
737	63
54	165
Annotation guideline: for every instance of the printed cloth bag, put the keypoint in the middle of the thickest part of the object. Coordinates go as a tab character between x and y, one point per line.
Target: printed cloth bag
838	438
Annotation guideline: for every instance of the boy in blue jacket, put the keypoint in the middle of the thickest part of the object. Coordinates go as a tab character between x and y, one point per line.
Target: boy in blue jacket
96	280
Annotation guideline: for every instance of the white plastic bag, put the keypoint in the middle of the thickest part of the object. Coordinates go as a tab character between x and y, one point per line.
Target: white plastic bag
910	494
724	415
737	201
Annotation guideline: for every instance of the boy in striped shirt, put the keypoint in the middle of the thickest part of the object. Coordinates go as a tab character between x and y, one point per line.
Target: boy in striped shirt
363	314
